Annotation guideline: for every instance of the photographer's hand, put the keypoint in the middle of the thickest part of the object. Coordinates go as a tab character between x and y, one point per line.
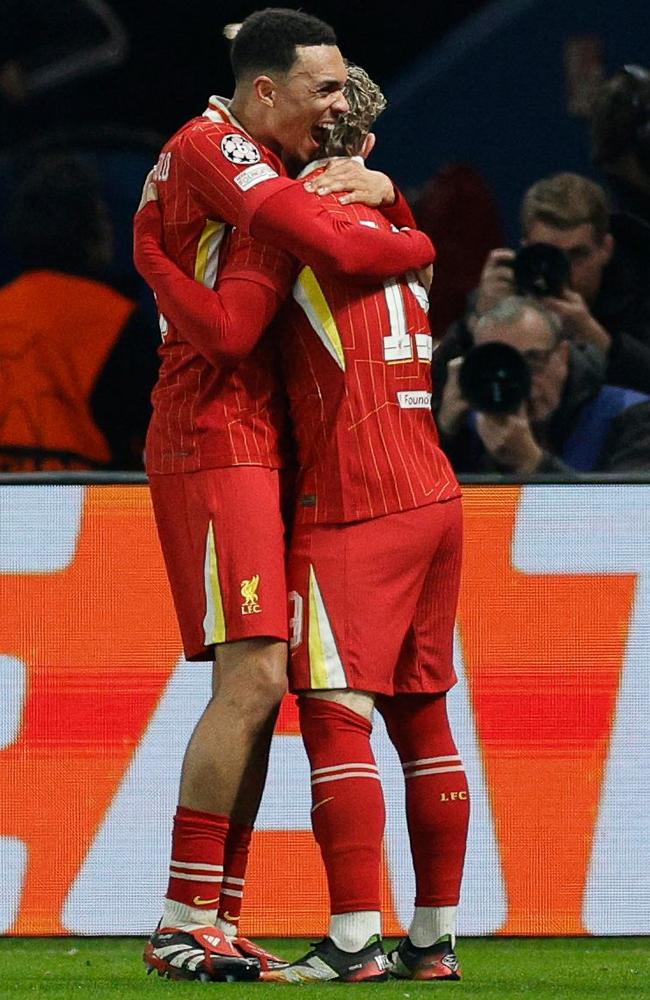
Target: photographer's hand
578	322
510	441
496	282
453	408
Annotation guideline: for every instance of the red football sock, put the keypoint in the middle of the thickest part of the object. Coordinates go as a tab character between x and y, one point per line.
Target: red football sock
234	872
196	867
437	797
348	804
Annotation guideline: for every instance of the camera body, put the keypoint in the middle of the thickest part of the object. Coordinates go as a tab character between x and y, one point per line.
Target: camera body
495	378
541	269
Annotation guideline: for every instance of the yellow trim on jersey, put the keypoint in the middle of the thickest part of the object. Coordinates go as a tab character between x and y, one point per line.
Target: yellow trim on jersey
207	253
325	667
214	623
309	295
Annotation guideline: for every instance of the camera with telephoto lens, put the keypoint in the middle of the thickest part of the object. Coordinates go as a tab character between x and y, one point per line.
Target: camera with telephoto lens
541	269
494	378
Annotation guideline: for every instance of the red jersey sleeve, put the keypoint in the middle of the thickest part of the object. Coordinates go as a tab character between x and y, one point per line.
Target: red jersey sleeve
225	322
399	213
330	241
236	180
221	166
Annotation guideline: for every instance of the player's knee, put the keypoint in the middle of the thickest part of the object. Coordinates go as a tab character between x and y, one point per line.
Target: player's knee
269	686
253	676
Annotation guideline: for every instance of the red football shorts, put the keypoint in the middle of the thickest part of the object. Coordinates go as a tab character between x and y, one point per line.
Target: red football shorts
373	603
222	538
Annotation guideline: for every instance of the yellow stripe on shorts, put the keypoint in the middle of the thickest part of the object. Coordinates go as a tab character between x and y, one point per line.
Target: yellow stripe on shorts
325	667
214	623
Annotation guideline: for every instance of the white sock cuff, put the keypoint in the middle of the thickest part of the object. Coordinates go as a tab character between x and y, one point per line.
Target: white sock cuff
230	930
350	931
177	914
432	922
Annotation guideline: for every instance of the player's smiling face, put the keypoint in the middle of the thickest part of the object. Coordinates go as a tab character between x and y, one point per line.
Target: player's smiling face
308	100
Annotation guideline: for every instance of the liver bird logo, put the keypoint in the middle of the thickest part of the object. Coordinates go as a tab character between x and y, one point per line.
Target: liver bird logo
248	590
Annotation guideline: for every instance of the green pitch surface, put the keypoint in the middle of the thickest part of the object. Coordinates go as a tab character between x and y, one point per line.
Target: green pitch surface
493	969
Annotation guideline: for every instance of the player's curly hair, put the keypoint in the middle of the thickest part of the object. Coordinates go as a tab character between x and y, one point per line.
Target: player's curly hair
366	103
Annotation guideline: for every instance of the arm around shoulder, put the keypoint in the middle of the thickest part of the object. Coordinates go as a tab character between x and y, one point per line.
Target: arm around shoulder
291	218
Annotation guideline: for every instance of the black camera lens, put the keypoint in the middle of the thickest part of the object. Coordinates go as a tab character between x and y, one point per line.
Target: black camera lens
541	269
494	378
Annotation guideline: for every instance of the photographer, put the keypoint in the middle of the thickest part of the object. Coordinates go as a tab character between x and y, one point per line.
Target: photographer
563	420
604	307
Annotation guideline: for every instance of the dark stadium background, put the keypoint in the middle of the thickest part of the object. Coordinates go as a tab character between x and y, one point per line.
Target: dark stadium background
178	56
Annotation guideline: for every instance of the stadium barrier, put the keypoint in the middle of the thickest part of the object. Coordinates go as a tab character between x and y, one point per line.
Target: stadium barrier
551	713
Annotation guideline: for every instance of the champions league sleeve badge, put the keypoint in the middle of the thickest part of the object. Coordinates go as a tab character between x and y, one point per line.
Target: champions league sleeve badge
238	149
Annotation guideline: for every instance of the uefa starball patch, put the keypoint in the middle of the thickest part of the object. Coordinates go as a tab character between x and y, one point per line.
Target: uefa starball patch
239	149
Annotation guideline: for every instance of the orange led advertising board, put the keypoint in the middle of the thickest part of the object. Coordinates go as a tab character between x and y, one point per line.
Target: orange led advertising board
551	714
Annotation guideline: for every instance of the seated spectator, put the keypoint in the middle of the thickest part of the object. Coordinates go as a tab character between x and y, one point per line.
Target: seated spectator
605	308
76	363
570	422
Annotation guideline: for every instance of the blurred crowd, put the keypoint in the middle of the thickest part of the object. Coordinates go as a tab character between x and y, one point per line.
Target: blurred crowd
547	367
543	360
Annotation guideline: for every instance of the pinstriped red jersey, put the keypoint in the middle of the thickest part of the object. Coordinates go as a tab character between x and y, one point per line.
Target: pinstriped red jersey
357	367
211	177
209	413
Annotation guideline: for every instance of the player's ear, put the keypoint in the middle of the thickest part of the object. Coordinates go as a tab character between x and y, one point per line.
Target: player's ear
265	90
368	145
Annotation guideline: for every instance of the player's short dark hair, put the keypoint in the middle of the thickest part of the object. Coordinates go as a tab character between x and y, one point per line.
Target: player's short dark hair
58	218
268	38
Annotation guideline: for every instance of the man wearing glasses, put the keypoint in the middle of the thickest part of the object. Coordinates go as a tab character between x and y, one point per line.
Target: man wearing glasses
568	422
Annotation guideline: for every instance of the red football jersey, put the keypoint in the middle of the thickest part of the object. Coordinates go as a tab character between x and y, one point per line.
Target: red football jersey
207	412
358	374
211	176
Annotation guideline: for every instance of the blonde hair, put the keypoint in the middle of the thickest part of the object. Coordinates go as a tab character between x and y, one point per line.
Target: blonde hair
566	201
366	103
231	30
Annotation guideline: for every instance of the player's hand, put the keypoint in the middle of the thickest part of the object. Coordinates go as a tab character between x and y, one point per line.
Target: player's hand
577	321
453	408
496	281
369	187
509	439
149	191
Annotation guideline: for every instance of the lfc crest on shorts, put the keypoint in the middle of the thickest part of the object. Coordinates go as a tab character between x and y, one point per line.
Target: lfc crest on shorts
248	590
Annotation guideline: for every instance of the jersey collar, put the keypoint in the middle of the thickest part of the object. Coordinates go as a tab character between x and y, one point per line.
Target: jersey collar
218	110
321	164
